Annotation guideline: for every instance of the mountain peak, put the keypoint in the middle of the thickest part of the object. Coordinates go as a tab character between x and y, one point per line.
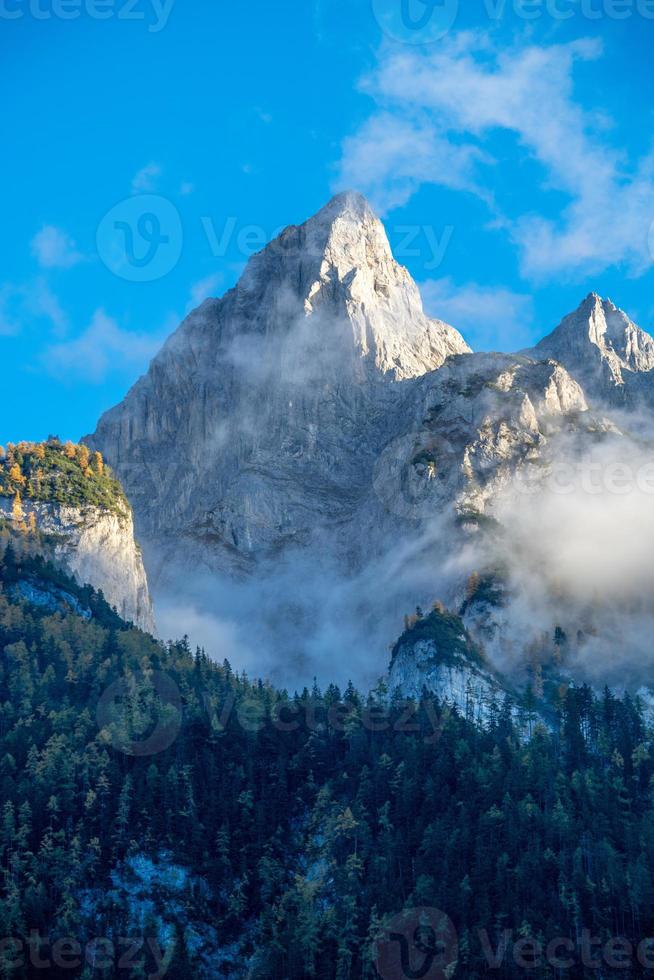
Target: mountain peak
347	202
344	233
600	345
335	274
593	299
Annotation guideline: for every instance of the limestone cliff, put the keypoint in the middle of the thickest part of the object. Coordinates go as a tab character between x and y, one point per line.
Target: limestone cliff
308	456
79	511
263	415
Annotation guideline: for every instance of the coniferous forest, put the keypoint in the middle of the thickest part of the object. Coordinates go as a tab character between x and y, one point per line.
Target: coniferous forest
164	816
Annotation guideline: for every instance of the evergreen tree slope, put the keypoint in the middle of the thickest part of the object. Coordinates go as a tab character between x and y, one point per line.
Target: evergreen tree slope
264	835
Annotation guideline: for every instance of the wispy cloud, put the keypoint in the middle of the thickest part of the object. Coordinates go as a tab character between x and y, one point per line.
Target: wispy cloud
436	112
40	301
26	305
490	318
392	155
202	289
53	248
103	348
145	181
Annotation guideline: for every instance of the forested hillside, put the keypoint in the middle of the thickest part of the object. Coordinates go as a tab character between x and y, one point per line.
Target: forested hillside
148	792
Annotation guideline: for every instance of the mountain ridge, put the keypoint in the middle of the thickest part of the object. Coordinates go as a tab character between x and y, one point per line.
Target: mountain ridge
312	430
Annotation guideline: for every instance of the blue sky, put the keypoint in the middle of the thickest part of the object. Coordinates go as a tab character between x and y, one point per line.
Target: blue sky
508	146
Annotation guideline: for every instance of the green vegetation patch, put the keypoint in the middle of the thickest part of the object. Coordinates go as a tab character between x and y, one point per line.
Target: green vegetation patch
60	473
447	631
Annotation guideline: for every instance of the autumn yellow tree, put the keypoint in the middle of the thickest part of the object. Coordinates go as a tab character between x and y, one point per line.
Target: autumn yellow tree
83	457
39	450
70	450
98	463
16	476
17	513
472	586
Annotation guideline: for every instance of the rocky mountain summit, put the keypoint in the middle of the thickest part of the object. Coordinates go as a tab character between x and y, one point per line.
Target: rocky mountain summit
263	413
605	351
312	454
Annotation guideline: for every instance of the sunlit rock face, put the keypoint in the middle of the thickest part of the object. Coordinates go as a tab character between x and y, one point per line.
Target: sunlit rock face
262	417
306	455
97	546
605	351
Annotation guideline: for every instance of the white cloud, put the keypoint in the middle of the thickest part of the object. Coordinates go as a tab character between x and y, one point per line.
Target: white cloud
23	304
577	554
40	301
489	318
202	289
392	156
103	348
53	248
450	100
145	181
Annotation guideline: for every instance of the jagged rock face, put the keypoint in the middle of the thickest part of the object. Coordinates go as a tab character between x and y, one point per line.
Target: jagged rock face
305	404
472	426
314	419
262	417
98	548
605	351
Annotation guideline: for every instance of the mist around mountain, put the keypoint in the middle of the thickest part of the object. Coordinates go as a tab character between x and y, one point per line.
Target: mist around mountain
311	457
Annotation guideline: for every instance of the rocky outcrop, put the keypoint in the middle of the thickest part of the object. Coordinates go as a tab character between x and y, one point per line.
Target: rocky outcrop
470	428
436	657
419	670
97	546
605	351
